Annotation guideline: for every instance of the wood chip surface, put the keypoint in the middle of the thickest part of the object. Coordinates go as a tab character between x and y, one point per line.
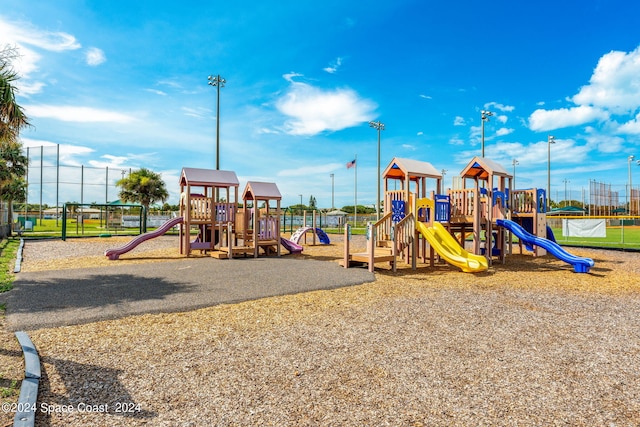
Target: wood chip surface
528	342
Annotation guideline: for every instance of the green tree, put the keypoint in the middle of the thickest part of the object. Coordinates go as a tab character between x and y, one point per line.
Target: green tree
12	117
312	202
145	187
13	168
13	164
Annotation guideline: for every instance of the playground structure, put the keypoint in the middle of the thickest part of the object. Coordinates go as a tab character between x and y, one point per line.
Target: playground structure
211	220
259	228
485	208
203	207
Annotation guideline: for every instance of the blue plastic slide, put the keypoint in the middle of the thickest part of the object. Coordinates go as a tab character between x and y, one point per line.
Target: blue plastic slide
580	265
322	236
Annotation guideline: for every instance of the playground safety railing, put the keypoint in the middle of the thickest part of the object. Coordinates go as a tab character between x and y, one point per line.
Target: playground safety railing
403	236
462	202
384	228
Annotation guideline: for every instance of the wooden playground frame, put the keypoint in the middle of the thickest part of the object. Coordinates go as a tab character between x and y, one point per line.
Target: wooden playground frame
485	195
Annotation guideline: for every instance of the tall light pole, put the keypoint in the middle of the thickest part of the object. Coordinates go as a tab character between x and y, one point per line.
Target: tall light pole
514	162
550	140
332	192
484	115
631	188
629	193
379	127
565	191
217	82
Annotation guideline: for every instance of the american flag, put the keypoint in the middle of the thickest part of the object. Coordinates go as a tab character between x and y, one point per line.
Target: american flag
351	164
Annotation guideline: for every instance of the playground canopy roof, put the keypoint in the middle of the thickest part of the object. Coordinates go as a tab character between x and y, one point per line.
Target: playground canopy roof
208	178
261	191
482	168
400	168
121	203
567	210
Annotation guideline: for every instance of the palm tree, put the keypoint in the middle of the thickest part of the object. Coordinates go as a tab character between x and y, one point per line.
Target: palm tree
12	117
13	168
13	164
145	187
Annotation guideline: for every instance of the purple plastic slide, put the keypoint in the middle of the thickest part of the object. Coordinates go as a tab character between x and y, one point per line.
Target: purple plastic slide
292	247
116	252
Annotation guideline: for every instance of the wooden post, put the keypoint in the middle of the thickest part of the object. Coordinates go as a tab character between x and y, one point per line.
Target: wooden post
229	240
346	245
371	246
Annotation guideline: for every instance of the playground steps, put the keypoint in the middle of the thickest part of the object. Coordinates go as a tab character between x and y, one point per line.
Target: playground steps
385	243
223	253
379	255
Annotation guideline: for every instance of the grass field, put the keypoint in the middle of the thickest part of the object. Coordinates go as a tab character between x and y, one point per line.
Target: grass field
626	237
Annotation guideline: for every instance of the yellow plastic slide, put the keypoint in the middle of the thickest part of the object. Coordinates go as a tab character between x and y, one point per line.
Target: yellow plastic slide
449	248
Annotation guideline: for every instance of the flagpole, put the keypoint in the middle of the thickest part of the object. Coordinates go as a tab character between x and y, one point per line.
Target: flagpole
355	197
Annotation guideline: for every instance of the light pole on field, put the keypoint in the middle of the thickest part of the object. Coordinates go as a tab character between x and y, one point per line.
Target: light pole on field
379	127
484	116
332	192
550	140
217	82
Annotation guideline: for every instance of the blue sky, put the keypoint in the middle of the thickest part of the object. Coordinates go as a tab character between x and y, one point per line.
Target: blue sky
124	84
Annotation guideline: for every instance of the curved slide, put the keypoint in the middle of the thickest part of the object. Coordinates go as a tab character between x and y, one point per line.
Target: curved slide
448	248
322	236
292	247
580	265
114	253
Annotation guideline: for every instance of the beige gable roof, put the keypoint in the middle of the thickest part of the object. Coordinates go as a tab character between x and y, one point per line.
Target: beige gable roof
481	167
261	191
399	168
208	177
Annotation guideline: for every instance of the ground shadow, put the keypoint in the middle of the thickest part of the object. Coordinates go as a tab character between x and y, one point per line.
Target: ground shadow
57	301
86	386
89	292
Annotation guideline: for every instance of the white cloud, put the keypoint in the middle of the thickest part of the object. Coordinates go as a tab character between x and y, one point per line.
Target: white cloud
615	83
333	67
198	113
289	76
110	161
76	114
22	35
95	56
632	127
502	118
313	110
157	92
456	141
425	96
68	153
504	131
564	151
605	143
420	133
498	106
409	147
459	121
543	120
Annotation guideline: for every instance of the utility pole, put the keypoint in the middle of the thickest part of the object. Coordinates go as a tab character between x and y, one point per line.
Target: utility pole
379	127
217	82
